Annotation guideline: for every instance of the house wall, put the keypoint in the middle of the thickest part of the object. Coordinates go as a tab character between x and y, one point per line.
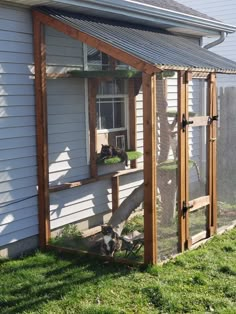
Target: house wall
18	180
225	12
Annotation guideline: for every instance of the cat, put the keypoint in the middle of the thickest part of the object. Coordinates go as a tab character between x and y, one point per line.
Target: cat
108	151
111	242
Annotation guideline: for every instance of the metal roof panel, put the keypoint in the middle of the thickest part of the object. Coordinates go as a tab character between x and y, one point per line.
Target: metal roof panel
154	46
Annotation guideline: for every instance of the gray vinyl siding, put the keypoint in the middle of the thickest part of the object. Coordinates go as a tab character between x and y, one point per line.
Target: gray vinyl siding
18	179
67	134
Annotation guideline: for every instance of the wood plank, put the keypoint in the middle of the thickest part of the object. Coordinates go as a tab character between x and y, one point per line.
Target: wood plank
182	159
116	53
213	98
92	92
132	120
115	193
199	121
198	237
199	202
70	185
150	180
41	130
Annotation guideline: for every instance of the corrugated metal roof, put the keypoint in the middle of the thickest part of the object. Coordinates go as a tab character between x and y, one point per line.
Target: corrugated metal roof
155	47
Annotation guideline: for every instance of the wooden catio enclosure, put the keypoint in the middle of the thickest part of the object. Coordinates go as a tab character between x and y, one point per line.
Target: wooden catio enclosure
145	91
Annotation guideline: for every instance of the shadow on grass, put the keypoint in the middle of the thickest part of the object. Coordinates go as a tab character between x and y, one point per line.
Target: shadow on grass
37	281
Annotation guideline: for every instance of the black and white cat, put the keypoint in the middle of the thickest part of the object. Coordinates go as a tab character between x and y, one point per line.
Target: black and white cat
111	242
108	151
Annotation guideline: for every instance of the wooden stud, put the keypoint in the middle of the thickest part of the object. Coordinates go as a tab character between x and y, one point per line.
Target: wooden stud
42	132
92	92
212	212
115	193
182	157
104	47
132	121
150	181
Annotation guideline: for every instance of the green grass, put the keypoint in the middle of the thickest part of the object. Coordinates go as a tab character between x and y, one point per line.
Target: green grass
132	155
200	281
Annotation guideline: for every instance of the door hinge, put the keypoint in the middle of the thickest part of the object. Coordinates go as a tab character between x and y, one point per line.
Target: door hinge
213	118
186	208
185	122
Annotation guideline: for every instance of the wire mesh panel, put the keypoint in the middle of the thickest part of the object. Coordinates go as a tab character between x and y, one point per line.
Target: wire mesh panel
226	150
198	152
167	166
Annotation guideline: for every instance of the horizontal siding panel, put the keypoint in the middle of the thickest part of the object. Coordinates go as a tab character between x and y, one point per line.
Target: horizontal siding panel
60	51
17	163
14	57
66	176
72	99
18	184
79	216
71	164
9	36
16	153
16	90
15	14
11	46
18	26
15	142
66	118
65	146
13	79
65	137
18	215
81	206
9	133
69	86
16	68
19	100
18	192
16	111
19	204
10	175
61	109
19	235
63	156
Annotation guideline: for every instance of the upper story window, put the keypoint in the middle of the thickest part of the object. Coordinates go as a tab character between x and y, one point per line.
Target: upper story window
111	105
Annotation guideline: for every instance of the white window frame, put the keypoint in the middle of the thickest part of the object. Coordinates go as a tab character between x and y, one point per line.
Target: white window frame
125	98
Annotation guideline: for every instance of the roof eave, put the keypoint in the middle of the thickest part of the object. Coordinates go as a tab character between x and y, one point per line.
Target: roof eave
144	12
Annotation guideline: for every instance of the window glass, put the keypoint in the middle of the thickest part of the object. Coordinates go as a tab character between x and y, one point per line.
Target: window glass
119	113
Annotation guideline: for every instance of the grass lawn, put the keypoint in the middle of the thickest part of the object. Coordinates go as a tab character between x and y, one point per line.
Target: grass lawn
200	281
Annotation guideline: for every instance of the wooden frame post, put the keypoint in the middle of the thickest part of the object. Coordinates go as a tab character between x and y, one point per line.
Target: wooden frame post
92	92
132	120
42	132
150	165
182	157
212	137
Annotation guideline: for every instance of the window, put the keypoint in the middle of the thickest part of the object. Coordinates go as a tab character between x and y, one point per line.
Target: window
110	107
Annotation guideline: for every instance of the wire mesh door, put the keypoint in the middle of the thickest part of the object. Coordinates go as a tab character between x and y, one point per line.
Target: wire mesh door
198	205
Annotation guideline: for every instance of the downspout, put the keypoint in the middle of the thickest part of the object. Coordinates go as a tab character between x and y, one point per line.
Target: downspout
216	42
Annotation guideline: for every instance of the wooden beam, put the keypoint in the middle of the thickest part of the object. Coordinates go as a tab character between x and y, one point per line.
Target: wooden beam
150	161
104	47
92	92
132	120
182	157
115	193
212	212
42	132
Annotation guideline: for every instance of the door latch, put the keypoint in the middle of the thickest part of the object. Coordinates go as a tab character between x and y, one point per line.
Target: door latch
185	122
186	208
213	118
